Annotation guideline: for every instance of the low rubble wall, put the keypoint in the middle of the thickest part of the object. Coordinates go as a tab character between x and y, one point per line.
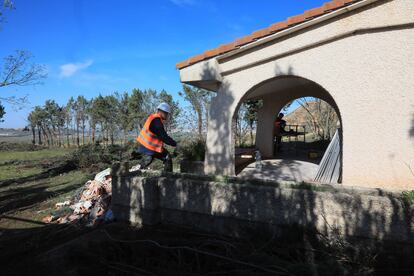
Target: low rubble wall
231	206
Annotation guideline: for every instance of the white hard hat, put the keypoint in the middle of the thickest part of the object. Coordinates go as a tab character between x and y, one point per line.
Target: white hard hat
164	107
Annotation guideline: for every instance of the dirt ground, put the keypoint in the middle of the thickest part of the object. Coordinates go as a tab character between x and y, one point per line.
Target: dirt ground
119	249
30	247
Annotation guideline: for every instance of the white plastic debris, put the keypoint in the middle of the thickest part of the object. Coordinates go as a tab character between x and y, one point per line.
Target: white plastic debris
62	204
135	168
81	207
101	176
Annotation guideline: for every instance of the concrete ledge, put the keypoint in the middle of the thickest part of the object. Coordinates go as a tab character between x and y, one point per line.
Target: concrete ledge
228	208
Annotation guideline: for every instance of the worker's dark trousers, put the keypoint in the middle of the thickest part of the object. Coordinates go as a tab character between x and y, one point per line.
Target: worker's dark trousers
164	156
277	145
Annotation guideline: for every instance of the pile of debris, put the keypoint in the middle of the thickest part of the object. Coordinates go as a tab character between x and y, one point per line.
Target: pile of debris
90	205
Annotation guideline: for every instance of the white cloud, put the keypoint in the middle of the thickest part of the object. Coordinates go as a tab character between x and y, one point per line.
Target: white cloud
183	2
69	69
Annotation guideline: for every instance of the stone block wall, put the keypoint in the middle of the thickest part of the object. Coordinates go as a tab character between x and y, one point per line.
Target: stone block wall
231	206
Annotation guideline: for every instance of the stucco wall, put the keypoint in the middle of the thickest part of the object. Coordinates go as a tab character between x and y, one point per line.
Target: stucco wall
229	207
369	73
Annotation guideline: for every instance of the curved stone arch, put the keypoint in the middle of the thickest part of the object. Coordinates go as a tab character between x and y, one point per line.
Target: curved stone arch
309	89
326	95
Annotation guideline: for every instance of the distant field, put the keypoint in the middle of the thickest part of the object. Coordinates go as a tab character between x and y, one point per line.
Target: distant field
32	155
16	139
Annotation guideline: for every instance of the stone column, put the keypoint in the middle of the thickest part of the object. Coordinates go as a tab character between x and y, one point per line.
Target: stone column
220	147
266	117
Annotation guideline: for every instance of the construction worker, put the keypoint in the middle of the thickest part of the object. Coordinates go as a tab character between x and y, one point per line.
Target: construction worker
278	131
152	138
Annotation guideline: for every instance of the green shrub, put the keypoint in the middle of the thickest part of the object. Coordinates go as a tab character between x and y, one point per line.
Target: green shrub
193	150
98	157
408	196
89	155
12	146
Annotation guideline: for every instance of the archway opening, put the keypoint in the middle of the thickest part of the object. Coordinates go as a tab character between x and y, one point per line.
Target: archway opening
297	151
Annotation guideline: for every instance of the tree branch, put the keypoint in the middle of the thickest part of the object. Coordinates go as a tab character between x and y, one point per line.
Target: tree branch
17	71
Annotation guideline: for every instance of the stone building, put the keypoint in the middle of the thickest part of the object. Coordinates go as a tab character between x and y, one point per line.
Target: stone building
357	55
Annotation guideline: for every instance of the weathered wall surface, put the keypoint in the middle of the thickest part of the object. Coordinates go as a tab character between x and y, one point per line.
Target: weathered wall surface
230	208
364	60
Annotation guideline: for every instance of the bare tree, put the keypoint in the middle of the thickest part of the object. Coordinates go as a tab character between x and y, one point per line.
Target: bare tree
17	70
6	5
2	112
200	102
321	117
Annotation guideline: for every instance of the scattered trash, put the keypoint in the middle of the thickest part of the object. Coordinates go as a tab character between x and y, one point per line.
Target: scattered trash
135	168
49	219
101	177
90	205
62	204
63	219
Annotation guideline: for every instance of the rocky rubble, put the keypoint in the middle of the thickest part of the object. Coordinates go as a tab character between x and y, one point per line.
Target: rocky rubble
89	206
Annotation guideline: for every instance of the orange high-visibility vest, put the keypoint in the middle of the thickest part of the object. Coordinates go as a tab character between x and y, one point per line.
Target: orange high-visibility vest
149	139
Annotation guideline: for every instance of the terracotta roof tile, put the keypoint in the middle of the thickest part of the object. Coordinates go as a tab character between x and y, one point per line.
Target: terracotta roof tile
182	64
276	27
224	48
334	5
211	53
196	58
314	12
295	19
260	33
243	40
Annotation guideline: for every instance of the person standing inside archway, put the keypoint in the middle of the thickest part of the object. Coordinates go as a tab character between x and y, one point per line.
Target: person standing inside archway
278	131
152	138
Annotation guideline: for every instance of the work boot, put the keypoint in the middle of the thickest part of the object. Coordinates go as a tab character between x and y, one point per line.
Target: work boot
168	165
146	161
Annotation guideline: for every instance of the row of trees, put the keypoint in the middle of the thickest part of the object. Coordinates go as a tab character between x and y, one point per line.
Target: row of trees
113	117
103	118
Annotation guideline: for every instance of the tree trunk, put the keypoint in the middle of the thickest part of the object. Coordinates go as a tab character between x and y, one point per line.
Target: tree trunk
77	133
45	135
33	135
59	137
83	132
93	134
67	136
39	133
49	134
73	132
200	124
251	134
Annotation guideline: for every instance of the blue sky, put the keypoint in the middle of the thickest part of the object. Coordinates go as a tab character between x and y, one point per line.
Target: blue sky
101	46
